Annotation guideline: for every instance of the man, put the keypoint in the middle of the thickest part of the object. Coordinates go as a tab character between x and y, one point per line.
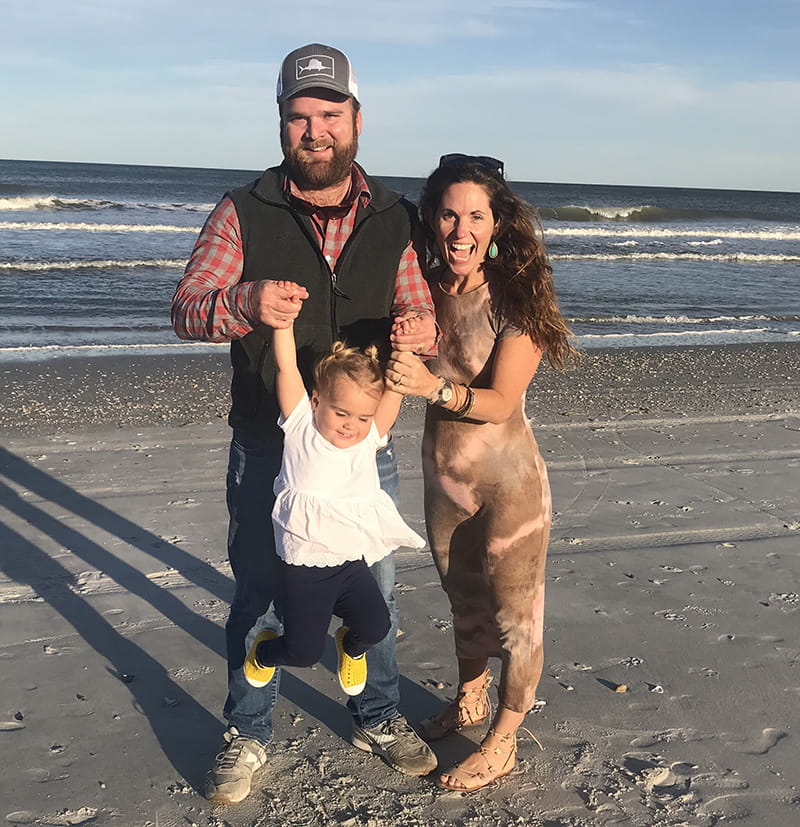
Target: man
320	221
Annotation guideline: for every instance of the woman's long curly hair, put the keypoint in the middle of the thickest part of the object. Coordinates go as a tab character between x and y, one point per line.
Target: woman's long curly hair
520	278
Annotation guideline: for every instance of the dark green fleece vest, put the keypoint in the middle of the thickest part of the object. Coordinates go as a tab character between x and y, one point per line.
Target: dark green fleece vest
353	304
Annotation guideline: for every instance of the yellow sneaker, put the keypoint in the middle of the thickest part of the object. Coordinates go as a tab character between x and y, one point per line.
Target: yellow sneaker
255	674
352	671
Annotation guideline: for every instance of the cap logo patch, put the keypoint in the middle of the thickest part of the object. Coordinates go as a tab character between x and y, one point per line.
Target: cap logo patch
314	65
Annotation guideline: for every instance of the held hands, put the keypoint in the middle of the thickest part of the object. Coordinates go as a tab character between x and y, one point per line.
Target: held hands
277	303
406	373
413	333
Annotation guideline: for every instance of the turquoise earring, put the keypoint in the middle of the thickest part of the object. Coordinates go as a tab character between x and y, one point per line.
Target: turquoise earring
492	252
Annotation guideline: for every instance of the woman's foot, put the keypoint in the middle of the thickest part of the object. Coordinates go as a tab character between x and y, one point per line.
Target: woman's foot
492	760
470	708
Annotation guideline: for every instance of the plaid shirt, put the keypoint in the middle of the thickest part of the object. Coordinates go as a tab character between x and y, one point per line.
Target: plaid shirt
212	304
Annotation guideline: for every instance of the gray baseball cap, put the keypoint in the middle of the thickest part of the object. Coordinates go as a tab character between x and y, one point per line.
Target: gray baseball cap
316	66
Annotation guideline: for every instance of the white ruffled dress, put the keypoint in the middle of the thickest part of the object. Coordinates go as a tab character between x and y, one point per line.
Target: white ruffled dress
329	506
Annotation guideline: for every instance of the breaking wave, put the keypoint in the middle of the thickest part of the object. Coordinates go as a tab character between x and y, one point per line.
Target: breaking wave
740	258
97	228
644	213
105	264
778	234
55	203
680	320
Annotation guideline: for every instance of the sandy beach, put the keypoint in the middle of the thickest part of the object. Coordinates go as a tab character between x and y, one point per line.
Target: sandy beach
672	661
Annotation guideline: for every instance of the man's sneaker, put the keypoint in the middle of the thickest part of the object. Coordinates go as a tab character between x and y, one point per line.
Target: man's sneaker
254	673
352	671
229	780
398	745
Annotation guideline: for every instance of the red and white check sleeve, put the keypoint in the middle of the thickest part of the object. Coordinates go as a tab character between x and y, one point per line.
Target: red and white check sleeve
210	302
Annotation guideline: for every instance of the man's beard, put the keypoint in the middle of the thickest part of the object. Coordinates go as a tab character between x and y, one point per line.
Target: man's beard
309	174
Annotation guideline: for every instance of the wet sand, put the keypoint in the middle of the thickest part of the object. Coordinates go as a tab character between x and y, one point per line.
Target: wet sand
673	572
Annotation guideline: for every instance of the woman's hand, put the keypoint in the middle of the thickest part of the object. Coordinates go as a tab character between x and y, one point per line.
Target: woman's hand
406	373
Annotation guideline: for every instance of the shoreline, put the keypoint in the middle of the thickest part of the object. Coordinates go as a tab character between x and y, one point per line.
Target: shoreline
86	393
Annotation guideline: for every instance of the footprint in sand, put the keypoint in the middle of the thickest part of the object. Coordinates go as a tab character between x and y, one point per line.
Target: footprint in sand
667	736
740	638
42	775
727	780
22	817
726	808
762	744
67	817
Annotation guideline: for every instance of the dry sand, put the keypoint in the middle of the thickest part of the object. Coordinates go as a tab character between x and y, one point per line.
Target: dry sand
673	571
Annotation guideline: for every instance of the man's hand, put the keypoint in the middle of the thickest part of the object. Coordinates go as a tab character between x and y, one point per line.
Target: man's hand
277	303
413	333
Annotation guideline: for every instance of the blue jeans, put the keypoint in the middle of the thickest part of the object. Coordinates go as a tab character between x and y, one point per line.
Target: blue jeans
257	602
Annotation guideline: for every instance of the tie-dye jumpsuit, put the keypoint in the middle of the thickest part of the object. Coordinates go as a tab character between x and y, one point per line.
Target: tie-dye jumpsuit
487	507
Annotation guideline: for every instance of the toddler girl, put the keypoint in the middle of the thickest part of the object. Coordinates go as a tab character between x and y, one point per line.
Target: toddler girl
331	518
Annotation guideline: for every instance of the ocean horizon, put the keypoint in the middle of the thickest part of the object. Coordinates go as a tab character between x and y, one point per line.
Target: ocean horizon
91	254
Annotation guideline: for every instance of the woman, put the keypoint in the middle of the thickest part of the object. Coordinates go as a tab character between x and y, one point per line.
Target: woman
487	499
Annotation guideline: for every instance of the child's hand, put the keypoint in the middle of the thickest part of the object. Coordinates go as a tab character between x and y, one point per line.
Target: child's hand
293	291
276	303
413	333
405	326
292	296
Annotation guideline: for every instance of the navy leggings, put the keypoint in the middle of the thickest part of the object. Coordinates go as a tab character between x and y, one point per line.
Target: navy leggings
313	594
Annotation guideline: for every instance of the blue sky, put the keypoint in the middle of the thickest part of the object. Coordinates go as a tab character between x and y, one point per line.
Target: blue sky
700	93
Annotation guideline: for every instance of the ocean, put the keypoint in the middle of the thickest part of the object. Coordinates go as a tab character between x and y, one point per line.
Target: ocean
90	255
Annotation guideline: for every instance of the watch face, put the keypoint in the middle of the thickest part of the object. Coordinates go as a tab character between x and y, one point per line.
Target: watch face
447	392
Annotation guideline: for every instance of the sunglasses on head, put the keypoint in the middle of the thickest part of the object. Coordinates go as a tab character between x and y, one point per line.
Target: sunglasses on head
458	158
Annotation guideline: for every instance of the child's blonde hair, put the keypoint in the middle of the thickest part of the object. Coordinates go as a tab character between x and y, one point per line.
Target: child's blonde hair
360	366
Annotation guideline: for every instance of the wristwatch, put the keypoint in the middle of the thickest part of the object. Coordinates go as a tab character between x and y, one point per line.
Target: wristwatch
443	393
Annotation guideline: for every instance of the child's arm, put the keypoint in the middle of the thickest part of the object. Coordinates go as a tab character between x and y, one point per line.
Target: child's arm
387	411
289	387
389	406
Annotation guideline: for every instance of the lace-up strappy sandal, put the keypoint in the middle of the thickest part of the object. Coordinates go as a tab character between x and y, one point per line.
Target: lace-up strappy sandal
492	762
471	707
